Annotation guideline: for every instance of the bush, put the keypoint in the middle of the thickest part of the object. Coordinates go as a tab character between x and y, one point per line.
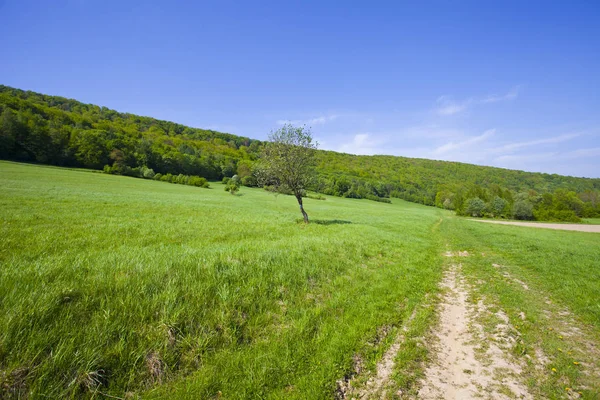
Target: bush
147	173
556	215
197	181
475	207
225	180
379	199
523	209
157	177
498	206
233	185
447	204
181	179
250	181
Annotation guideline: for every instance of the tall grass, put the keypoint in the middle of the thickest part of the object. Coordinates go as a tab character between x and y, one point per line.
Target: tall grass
119	286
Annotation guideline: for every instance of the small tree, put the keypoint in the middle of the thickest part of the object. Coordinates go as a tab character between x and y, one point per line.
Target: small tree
498	206
288	162
475	207
523	209
233	185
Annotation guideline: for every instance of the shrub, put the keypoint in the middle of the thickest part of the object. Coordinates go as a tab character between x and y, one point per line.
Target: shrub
556	215
498	206
147	173
475	207
233	185
523	209
181	179
225	180
379	199
197	181
447	204
157	177
250	181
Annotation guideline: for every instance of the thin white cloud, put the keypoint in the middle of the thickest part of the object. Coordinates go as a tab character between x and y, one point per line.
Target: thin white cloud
549	157
453	146
511	95
446	105
538	157
363	144
538	142
311	121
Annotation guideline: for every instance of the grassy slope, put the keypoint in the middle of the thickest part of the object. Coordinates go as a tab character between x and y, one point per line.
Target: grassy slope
172	291
116	284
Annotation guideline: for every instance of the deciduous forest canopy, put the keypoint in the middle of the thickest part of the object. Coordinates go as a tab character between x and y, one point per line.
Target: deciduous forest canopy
54	130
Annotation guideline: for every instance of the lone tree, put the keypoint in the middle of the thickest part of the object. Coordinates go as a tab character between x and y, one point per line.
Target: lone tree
288	161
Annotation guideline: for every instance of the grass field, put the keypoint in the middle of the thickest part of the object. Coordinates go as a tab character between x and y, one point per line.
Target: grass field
131	288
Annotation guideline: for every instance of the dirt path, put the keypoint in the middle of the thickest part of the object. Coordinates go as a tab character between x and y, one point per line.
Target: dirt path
463	368
565	227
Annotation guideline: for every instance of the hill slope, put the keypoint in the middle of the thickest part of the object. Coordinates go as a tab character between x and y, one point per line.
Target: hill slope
54	130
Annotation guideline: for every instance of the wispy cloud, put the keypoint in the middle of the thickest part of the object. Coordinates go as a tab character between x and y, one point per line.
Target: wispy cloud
537	142
362	143
511	95
549	156
447	105
311	121
453	146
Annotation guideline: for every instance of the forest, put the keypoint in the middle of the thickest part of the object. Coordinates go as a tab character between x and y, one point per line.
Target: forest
54	130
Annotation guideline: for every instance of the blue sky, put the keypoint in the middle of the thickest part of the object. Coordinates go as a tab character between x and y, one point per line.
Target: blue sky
508	84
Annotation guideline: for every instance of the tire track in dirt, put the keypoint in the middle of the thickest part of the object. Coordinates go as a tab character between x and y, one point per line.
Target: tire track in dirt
462	367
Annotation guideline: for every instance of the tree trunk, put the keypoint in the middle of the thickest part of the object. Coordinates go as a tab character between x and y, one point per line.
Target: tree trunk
304	214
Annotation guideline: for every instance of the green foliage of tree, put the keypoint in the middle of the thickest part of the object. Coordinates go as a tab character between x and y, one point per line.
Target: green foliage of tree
523	209
499	206
288	161
475	207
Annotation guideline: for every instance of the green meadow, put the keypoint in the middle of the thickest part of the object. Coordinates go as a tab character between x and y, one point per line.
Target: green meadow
115	287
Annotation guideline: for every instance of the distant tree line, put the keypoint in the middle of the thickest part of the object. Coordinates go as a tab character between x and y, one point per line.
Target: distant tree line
64	132
58	131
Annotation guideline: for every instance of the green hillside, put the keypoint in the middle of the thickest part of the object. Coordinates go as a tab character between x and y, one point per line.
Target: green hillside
58	131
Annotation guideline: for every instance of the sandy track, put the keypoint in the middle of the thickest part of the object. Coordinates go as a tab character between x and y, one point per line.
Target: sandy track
564	227
459	372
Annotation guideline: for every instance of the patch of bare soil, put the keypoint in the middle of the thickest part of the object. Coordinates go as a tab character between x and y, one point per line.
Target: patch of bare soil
464	369
564	227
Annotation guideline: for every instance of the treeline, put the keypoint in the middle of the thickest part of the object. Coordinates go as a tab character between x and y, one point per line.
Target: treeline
59	131
560	205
